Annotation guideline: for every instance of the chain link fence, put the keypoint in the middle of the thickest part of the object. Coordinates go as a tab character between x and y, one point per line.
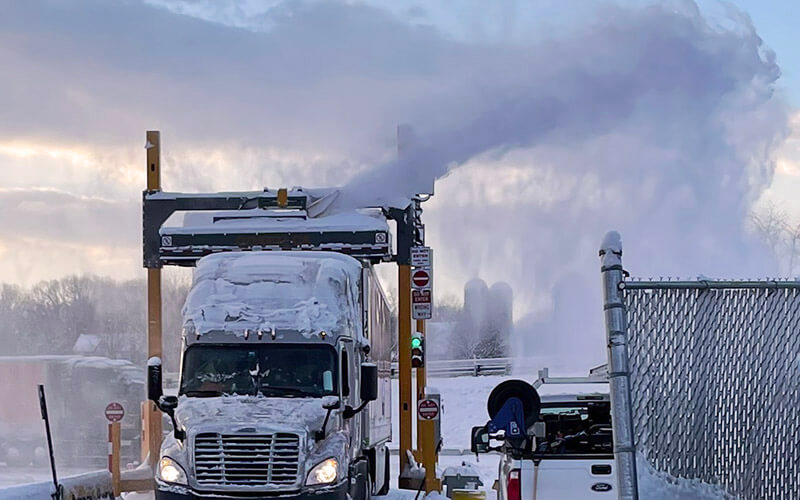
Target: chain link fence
714	370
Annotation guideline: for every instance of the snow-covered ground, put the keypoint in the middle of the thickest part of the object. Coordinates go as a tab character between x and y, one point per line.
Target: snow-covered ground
11	476
464	406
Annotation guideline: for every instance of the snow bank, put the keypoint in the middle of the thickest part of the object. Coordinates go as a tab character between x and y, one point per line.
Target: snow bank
654	485
308	292
89	486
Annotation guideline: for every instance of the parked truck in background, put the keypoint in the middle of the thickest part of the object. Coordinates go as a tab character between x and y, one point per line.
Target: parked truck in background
78	389
285	380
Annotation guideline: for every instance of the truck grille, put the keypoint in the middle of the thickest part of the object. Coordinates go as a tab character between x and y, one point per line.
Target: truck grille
246	459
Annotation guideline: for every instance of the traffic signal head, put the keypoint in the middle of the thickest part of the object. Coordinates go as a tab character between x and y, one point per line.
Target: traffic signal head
417	351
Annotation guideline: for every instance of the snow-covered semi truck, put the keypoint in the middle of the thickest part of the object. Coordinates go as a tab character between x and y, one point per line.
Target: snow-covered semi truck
285	380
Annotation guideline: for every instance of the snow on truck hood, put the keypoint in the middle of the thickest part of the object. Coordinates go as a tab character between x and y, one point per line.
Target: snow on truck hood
259	412
308	292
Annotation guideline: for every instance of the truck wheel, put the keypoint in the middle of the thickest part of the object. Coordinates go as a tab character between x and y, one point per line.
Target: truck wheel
385	486
360	481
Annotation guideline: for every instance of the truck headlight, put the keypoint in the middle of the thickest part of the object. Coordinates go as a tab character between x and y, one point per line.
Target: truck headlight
170	472
324	472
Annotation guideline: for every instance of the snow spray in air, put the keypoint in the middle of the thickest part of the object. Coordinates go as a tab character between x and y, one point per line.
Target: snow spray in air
650	120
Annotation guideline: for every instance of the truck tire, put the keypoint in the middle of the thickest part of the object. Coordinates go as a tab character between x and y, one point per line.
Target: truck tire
360	481
385	486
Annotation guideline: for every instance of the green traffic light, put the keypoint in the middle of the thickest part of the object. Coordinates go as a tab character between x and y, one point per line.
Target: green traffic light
416	342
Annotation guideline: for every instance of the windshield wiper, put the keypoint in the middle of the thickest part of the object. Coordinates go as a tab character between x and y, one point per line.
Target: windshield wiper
286	390
202	393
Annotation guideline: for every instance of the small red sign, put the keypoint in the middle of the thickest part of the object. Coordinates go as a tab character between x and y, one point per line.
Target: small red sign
420	296
428	409
421	278
114	412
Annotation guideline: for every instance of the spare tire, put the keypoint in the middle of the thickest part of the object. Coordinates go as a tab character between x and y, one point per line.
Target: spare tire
525	392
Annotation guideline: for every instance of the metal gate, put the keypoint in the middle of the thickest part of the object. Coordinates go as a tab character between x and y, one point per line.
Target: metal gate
709	379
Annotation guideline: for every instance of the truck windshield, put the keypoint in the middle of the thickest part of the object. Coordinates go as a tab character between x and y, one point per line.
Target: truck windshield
269	370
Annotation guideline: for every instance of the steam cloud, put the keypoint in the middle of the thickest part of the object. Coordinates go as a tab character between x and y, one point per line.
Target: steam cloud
650	121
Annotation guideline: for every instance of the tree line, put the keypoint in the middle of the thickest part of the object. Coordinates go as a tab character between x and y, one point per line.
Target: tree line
50	316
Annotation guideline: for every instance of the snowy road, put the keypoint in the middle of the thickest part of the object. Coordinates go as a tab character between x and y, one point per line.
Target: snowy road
464	406
12	476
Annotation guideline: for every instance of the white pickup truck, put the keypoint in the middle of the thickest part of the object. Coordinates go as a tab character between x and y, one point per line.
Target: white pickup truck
554	447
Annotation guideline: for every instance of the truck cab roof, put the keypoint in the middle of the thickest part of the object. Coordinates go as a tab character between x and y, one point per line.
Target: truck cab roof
273	295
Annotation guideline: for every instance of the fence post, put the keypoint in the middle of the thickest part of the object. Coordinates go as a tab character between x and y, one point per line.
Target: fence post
114	441
618	372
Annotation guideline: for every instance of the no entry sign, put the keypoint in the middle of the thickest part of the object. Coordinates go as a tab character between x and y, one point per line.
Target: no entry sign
421	279
114	412
421	306
428	409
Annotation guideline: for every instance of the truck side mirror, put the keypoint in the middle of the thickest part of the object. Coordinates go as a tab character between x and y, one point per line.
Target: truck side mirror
167	404
154	387
369	382
480	440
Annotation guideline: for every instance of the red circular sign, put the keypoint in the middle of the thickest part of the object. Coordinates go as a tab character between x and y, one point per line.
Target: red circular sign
421	278
428	409
114	412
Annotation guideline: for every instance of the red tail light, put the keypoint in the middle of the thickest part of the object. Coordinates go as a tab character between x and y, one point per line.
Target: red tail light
513	488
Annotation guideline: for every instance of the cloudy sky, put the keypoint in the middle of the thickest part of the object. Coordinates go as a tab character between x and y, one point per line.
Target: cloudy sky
546	124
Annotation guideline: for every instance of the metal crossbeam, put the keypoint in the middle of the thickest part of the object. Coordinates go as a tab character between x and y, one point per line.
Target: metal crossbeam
178	246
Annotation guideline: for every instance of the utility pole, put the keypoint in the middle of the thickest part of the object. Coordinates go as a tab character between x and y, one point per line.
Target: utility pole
151	430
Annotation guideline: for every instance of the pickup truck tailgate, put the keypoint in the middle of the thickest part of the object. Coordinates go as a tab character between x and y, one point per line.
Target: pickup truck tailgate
573	479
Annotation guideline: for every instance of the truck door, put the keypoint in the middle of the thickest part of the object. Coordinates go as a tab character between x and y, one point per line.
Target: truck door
349	388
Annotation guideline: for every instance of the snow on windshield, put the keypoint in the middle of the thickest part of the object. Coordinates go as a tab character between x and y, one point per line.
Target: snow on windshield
302	291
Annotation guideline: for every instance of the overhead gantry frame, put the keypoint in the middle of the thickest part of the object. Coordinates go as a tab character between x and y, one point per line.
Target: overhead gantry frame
185	249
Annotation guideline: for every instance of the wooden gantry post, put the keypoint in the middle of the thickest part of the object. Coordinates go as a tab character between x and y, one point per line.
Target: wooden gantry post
151	430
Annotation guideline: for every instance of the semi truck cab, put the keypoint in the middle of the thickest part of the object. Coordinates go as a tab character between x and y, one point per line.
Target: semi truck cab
284	385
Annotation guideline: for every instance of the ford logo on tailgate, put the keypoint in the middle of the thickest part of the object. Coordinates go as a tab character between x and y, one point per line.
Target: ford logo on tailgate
601	487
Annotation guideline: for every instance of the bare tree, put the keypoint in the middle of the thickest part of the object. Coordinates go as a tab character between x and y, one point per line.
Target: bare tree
781	235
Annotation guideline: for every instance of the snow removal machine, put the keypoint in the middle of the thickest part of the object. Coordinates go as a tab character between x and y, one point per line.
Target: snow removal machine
286	350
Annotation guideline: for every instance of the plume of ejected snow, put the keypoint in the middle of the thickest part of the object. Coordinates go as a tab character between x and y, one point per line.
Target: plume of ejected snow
650	120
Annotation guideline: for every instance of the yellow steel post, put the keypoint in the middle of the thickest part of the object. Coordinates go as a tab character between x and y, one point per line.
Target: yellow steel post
404	368
154	346
426	429
421	382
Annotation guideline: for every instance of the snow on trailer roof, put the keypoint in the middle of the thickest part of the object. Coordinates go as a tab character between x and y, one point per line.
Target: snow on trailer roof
291	293
272	220
188	235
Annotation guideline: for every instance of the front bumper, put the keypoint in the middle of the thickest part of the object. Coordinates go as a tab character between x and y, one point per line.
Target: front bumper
338	492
